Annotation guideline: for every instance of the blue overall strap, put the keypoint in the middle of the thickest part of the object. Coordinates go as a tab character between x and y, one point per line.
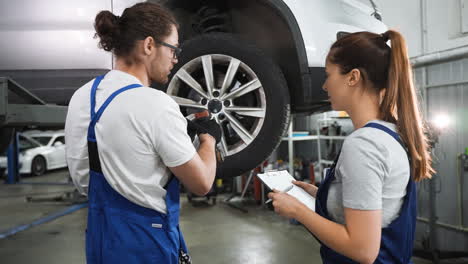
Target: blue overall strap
388	131
108	100
97	115
96	83
94	162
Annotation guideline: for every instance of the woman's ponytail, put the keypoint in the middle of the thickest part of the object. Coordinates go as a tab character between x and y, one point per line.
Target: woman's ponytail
400	105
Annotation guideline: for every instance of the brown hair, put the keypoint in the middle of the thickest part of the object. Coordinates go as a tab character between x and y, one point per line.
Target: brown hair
388	68
119	34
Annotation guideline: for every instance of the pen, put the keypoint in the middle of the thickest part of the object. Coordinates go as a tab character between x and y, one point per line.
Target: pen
285	190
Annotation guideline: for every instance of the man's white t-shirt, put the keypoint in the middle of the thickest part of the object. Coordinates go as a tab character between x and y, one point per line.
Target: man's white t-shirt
139	135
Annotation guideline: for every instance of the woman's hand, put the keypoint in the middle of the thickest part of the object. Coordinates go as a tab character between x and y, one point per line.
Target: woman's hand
286	205
309	188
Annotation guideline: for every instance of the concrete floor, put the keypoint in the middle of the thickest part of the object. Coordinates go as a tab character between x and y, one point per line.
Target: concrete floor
214	234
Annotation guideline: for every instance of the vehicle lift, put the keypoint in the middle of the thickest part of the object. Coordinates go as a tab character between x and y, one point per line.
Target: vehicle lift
19	108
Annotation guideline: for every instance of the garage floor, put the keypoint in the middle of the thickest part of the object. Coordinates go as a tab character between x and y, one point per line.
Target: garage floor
214	234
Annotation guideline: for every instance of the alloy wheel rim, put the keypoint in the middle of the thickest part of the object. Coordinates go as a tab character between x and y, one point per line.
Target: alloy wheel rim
230	90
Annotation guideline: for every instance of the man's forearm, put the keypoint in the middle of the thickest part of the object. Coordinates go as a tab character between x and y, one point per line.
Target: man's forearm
207	154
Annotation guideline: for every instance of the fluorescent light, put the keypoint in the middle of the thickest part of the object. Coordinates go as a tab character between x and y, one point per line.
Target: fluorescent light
441	121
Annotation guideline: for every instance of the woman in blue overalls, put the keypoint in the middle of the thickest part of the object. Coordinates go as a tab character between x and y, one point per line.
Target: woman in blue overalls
372	82
136	136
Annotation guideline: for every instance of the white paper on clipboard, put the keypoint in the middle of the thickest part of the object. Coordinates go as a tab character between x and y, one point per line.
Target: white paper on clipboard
281	180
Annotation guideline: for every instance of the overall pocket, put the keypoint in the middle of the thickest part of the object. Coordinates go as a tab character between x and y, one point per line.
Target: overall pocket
135	239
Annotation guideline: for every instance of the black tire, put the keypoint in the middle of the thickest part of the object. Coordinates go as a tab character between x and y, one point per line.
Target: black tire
277	115
38	166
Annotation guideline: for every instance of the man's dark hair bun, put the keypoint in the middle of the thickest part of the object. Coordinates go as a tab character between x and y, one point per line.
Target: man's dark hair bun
107	29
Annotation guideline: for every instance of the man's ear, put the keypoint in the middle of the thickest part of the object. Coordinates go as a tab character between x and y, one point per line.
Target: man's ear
149	46
354	76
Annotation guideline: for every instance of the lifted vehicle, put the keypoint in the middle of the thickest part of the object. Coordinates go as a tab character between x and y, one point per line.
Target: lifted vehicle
251	63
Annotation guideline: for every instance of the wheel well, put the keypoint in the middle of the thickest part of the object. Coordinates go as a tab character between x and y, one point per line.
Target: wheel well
42	156
284	44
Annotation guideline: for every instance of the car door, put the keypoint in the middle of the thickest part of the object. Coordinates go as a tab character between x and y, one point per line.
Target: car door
57	154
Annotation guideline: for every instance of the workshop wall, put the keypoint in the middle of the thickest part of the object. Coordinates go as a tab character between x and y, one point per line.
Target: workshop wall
446	86
428	25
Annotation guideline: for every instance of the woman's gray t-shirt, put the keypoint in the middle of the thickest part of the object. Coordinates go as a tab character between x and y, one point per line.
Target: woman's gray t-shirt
371	174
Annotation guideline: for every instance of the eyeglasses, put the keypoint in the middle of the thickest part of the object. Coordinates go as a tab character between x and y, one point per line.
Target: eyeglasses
176	50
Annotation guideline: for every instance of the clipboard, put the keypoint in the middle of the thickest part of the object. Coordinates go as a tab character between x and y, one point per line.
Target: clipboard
281	180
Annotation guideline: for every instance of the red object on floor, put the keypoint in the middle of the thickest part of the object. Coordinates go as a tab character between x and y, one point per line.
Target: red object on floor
257	189
312	173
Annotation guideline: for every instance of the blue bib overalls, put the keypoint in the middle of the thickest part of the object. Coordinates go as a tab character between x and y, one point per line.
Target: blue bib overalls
396	245
120	231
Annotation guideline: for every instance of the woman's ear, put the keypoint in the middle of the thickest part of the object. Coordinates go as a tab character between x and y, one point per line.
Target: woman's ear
382	95
354	76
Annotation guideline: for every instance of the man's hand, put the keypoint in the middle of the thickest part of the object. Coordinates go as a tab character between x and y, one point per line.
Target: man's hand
206	126
204	138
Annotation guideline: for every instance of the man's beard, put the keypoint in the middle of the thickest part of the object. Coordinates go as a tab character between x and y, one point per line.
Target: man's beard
161	79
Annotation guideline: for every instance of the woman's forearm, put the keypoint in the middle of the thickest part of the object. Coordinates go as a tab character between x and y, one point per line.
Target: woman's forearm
334	235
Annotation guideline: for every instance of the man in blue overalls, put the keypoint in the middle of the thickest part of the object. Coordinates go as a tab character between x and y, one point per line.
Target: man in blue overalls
127	144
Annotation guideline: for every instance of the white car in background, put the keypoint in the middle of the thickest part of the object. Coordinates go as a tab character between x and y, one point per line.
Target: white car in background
39	152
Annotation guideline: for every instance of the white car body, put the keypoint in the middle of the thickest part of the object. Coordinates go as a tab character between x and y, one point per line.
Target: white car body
54	153
70	23
319	30
48	47
58	29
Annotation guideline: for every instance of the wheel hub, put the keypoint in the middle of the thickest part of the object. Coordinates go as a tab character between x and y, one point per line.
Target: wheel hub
215	106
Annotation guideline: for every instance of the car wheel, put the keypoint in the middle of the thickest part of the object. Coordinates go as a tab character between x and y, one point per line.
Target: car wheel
38	166
243	89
